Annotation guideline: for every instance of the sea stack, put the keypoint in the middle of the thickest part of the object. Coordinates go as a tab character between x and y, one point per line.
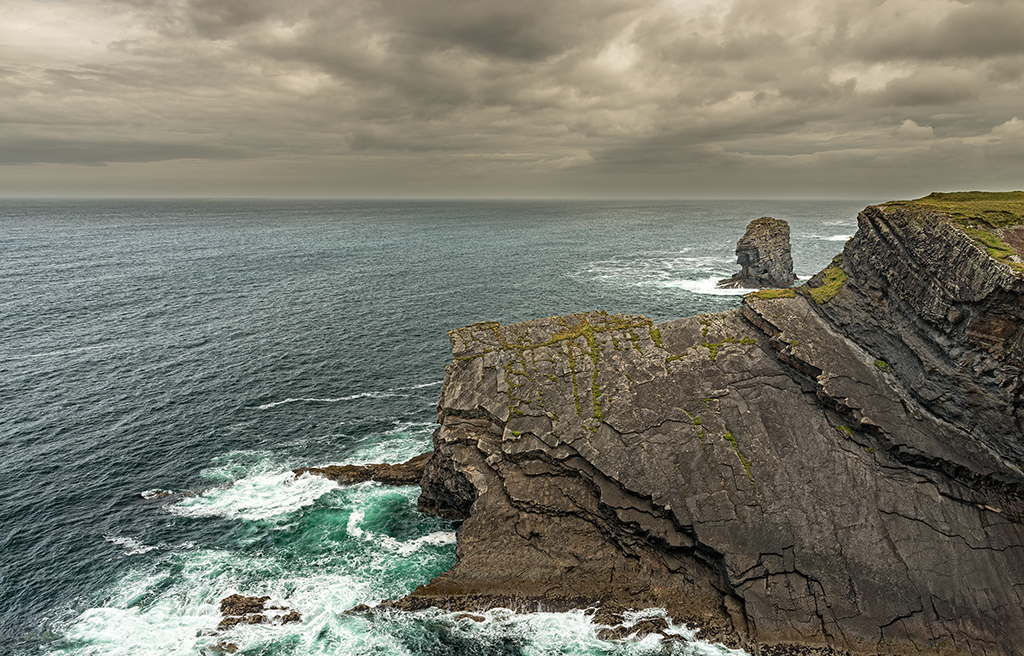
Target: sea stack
763	253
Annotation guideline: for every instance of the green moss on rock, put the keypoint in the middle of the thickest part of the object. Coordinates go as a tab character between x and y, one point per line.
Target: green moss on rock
833	279
771	294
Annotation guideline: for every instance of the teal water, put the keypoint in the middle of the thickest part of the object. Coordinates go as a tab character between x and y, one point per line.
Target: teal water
165	364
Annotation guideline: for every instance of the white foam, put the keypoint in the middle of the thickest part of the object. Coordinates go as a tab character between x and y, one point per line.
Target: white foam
406	440
155	493
567	633
402	547
658	268
437	539
262	496
170	608
235	465
130	546
704	286
354	520
838	238
164	630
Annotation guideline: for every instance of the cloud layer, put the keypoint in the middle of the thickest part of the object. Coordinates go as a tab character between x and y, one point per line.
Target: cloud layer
678	98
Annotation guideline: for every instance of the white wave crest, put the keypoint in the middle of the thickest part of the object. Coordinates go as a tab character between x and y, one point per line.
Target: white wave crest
659	268
354	520
129	546
401	547
262	496
338	399
704	286
395	392
155	493
436	539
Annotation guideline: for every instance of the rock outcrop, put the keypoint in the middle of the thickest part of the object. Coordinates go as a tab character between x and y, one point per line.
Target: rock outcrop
763	253
834	469
406	473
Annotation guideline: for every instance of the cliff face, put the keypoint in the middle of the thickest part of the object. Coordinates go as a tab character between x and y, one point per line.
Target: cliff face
924	297
764	256
781	475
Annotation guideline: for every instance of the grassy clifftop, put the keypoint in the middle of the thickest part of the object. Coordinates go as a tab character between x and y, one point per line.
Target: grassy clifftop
994	220
995	210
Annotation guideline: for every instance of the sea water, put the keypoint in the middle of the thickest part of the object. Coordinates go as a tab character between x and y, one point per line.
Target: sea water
164	365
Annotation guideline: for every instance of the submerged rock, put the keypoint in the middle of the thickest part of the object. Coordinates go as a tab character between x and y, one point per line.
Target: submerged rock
763	253
834	469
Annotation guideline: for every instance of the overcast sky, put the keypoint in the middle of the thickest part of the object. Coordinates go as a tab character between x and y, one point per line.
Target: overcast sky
863	99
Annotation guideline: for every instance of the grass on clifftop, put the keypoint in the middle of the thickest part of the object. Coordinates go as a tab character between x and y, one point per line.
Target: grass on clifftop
991	209
833	279
983	216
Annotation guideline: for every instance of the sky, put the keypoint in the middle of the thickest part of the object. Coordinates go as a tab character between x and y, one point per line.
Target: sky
858	99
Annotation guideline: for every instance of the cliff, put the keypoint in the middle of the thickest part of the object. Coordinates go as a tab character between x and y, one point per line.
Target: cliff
834	469
763	253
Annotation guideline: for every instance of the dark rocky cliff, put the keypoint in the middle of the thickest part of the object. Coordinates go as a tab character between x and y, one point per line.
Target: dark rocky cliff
833	468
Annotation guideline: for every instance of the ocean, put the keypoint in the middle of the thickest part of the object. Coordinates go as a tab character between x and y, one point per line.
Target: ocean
164	365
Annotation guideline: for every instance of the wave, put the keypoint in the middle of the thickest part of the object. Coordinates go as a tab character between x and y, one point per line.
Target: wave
155	493
404	548
168	606
307	399
354	528
356	548
130	546
50	354
704	286
258	497
396	392
656	268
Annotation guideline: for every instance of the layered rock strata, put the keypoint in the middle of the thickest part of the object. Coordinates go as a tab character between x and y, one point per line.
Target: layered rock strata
763	253
838	468
925	298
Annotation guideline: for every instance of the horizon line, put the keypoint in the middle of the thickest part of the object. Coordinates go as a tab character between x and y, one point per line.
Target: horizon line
414	199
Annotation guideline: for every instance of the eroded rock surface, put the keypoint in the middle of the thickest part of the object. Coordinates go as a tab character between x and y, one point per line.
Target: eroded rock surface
763	253
774	475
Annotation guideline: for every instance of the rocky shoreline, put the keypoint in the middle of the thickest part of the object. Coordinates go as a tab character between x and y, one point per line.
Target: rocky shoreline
837	468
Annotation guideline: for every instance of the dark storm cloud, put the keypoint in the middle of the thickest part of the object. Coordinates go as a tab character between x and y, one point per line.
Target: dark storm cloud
583	96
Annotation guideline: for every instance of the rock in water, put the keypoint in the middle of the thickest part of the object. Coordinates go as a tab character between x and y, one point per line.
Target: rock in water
406	473
764	256
837	468
240	609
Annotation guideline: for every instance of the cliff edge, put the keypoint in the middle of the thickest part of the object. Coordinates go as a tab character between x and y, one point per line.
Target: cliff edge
833	469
